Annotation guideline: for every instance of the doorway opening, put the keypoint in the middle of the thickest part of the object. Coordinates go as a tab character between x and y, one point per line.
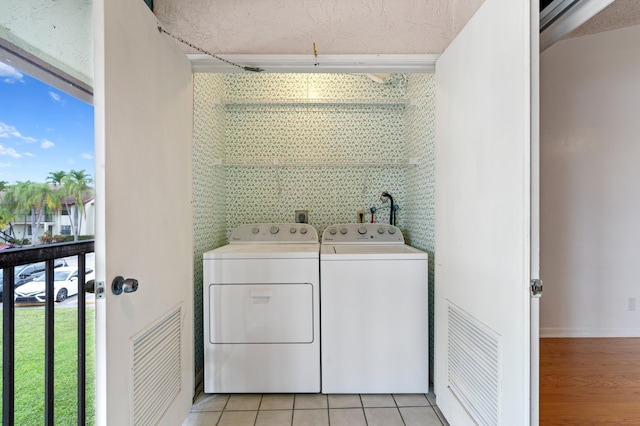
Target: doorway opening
46	198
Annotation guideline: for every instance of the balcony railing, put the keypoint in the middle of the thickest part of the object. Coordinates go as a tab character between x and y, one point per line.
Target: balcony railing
25	219
9	259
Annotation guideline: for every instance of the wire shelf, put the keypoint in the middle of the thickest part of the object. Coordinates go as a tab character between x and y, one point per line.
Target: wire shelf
314	162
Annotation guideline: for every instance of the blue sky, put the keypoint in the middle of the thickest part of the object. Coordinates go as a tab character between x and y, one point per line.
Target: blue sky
42	129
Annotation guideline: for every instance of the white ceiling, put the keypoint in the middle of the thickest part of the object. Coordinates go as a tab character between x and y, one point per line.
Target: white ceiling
291	29
337	27
619	14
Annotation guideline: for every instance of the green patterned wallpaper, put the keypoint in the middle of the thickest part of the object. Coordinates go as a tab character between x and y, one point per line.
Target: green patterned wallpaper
317	132
420	180
243	117
208	188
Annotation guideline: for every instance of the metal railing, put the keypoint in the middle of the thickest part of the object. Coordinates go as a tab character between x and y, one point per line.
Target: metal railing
25	219
9	259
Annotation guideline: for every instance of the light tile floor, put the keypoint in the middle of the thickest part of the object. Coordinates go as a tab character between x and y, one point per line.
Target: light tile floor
315	410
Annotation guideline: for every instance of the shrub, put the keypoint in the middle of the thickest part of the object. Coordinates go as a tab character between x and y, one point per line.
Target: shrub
69	238
46	238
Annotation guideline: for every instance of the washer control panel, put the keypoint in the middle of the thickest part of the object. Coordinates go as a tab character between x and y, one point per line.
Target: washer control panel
274	233
362	233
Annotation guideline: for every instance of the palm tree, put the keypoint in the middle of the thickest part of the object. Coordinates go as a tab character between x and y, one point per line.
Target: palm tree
11	201
34	198
76	185
7	212
56	178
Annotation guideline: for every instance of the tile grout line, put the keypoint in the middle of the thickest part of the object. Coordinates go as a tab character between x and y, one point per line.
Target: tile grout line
398	409
328	412
223	408
260	408
255	421
364	413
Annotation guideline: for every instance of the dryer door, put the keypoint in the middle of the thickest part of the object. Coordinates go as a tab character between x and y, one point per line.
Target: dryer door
261	313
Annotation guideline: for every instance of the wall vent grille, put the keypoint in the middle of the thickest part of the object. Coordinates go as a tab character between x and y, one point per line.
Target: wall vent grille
157	377
474	366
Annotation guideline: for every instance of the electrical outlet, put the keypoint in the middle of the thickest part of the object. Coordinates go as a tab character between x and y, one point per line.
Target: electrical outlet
631	304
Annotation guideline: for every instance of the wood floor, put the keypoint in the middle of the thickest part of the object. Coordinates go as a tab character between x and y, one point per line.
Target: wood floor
590	381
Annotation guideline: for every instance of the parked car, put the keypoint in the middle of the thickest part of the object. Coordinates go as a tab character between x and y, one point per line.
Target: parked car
26	273
65	284
5	246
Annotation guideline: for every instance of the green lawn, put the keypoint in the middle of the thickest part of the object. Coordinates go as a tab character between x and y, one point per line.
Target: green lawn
29	366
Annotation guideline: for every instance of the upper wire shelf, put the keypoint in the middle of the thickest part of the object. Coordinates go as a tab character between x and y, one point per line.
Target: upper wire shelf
313	162
315	101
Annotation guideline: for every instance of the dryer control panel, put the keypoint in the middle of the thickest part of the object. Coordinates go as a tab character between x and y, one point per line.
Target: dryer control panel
370	233
280	233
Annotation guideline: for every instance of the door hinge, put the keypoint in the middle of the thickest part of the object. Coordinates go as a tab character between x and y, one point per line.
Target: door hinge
536	288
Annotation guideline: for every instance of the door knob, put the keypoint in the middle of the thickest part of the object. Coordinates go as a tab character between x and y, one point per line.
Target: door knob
90	286
120	284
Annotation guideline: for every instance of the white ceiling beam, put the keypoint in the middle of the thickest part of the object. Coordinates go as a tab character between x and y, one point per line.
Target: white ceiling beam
317	64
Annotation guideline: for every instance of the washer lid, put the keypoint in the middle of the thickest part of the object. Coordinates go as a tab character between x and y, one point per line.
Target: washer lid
265	251
371	252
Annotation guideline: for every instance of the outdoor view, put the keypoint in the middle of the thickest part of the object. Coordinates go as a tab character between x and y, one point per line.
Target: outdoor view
46	197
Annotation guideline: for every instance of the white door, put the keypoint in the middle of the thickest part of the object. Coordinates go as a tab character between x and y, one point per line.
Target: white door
143	95
482	260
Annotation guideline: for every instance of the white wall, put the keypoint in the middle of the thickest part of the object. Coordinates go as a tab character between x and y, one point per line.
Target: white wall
590	175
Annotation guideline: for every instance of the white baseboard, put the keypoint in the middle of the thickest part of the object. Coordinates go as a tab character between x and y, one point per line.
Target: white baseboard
588	332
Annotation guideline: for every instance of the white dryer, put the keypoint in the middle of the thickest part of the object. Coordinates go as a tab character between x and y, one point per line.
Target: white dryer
375	323
261	311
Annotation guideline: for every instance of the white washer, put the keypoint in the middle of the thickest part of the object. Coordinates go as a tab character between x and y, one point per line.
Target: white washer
375	323
261	311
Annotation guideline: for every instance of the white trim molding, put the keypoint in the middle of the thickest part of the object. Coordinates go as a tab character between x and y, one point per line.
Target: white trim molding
566	21
317	64
39	68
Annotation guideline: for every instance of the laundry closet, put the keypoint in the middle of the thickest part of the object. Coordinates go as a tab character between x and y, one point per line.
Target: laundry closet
266	145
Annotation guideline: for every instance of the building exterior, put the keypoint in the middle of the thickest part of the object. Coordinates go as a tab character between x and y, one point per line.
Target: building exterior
58	223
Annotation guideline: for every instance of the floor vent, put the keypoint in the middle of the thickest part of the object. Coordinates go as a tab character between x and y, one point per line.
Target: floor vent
156	369
474	366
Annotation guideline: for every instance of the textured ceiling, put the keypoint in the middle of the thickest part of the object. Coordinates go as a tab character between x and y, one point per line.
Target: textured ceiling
619	14
335	26
356	27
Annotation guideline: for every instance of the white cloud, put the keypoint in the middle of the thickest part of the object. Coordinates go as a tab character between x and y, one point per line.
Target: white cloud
71	161
46	144
5	164
86	156
28	154
56	97
9	74
9	151
7	131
